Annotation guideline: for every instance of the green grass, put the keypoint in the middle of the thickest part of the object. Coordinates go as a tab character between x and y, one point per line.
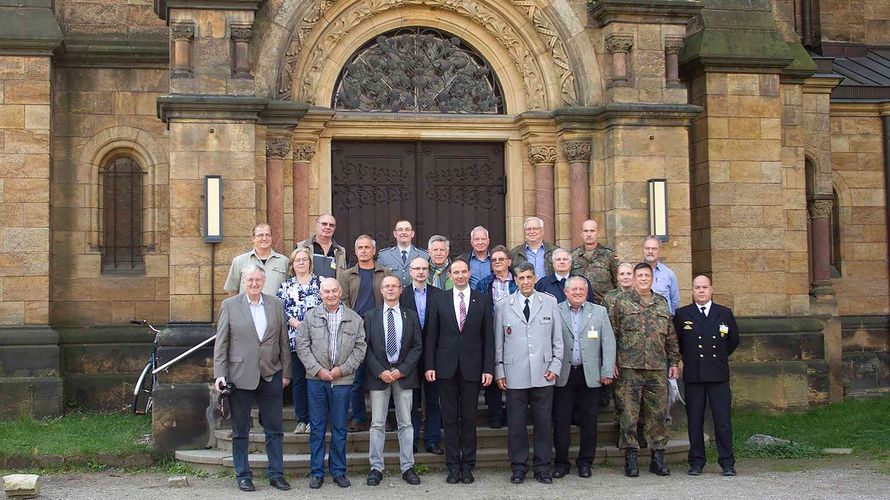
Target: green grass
863	425
78	434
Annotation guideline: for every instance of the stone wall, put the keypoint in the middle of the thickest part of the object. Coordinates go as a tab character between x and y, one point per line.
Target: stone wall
103	17
858	21
866	355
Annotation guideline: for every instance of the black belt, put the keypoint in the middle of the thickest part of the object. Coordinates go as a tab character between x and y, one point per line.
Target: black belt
577	367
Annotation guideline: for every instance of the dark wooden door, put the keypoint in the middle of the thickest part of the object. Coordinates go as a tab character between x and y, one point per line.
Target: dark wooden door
443	188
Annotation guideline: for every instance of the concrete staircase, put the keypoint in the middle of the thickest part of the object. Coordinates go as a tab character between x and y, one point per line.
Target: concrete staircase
492	448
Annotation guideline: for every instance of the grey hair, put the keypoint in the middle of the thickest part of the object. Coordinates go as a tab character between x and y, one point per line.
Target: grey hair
652	237
559	250
322	281
523	267
250	269
575	278
535	219
367	237
477	229
438	237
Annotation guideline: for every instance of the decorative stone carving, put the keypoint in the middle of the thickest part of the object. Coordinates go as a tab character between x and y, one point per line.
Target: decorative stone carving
544	26
182	31
242	33
619	43
304	152
418	70
673	45
819	209
540	153
182	35
578	151
672	48
277	148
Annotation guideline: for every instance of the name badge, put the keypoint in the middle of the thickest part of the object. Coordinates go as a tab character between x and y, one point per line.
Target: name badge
593	334
333	264
546	319
724	330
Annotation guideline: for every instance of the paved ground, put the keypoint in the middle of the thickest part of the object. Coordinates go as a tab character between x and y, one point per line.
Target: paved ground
831	478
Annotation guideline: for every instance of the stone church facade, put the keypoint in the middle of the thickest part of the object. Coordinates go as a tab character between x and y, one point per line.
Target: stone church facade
765	118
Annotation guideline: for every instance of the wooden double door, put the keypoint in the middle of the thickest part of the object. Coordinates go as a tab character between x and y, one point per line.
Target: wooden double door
445	188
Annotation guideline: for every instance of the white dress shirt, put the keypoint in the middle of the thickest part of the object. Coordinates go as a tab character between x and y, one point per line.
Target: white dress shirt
258	312
707	307
397	316
466	292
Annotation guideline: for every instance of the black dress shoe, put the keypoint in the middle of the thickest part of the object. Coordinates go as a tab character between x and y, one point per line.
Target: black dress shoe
410	476
544	478
518	477
435	449
560	472
584	470
695	470
466	476
280	483
341	481
453	477
246	484
316	482
729	471
495	424
630	463
374	477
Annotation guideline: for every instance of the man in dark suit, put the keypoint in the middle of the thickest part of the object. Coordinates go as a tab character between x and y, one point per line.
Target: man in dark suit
415	297
555	283
394	348
459	354
252	352
708	334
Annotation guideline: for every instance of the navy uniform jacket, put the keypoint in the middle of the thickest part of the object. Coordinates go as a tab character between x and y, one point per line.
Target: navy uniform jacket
706	342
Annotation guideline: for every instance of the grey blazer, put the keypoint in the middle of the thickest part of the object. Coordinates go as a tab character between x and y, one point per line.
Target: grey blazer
391	258
525	350
238	354
597	354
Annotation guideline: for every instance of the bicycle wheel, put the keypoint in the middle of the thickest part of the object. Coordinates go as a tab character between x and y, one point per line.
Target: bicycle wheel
142	391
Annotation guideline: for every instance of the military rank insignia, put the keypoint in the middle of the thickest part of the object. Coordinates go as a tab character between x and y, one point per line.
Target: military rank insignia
509	330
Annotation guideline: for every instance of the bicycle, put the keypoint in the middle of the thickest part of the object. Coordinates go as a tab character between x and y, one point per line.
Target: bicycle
147	379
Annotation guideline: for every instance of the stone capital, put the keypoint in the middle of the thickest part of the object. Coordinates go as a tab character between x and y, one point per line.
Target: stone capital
674	45
577	151
277	147
241	33
819	209
619	43
304	152
541	153
182	31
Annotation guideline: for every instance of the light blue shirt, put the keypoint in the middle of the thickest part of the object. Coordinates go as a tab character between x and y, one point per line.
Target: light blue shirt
479	269
664	283
576	325
420	295
536	258
397	316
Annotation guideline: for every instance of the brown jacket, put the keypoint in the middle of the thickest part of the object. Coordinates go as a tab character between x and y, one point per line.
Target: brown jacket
350	279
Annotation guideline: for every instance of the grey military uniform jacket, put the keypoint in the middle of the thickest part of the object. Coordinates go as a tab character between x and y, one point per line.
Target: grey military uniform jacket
597	344
525	350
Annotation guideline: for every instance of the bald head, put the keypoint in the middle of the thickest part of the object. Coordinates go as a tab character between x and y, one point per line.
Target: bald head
702	289
590	234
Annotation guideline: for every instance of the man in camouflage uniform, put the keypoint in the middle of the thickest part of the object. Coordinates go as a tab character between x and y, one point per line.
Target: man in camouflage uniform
647	343
596	262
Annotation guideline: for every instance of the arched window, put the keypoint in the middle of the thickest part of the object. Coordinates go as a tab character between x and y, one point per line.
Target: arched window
835	235
122	247
418	70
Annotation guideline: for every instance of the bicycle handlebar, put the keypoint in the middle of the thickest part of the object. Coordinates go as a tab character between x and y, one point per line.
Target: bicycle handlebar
145	323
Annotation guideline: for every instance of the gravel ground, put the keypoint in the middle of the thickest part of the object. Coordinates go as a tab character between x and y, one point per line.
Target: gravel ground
834	479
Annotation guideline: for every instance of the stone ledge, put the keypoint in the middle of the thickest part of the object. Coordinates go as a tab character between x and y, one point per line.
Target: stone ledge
79	51
209	107
28	336
791	324
627	114
124	334
604	12
28	27
162	7
283	113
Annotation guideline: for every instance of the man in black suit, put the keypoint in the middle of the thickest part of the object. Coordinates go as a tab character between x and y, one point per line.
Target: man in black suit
394	348
416	296
708	334
555	283
459	354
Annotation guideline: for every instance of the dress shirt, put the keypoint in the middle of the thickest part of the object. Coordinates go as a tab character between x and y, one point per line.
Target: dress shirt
397	315
258	312
664	283
500	288
536	258
707	307
420	295
466	292
334	319
479	268
576	335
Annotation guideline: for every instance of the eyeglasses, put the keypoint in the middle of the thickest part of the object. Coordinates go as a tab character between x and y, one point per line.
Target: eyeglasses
420	269
499	259
533	228
263	235
254	280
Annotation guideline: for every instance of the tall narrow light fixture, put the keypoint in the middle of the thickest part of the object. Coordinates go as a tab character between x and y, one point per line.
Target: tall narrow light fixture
658	208
212	208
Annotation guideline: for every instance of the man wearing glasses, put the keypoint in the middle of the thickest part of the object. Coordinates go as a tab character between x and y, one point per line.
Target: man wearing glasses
535	250
273	264
398	258
328	257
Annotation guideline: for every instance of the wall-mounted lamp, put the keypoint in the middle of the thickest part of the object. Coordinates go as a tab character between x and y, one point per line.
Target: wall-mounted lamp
658	208
212	208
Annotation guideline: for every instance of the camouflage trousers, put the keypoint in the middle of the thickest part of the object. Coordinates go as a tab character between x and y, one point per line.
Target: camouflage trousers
641	396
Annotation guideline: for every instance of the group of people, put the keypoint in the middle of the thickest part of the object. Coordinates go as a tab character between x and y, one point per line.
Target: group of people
546	329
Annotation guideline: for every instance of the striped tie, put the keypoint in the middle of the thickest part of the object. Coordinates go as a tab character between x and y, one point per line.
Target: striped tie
391	335
463	310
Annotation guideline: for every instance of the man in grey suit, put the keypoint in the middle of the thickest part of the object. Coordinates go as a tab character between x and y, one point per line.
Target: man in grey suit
394	349
528	357
590	364
252	352
398	258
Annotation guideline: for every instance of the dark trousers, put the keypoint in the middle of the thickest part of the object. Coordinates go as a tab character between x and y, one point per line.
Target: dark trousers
719	397
494	399
298	386
540	399
459	400
432	411
575	394
357	397
269	397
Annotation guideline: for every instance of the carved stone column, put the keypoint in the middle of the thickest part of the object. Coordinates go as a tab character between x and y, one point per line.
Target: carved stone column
619	45
820	216
277	149
241	36
672	48
182	35
303	154
543	157
578	154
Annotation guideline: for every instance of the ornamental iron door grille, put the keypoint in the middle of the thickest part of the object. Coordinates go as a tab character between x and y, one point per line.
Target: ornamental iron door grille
418	70
443	188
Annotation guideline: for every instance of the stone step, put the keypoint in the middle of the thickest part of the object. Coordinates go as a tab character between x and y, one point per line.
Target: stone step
357	442
295	465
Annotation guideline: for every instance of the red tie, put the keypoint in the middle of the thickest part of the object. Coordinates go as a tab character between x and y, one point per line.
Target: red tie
463	310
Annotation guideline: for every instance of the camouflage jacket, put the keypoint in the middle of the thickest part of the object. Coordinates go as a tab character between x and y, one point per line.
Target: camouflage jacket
610	297
644	332
599	266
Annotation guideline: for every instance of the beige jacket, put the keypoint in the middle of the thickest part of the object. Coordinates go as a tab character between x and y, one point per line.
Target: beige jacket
313	344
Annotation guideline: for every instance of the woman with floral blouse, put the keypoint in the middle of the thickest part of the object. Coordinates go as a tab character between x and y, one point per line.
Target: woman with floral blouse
300	293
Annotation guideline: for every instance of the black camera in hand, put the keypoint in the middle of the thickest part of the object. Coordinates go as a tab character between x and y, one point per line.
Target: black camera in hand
225	406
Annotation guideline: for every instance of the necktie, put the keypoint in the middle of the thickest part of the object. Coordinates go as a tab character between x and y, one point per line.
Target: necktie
562	284
463	311
703	313
404	257
526	310
390	335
